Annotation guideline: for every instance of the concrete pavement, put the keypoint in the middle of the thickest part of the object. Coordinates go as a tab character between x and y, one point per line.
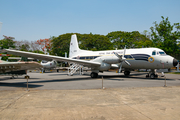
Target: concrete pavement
57	96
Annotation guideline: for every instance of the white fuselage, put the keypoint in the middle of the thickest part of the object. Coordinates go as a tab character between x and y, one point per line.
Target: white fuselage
142	58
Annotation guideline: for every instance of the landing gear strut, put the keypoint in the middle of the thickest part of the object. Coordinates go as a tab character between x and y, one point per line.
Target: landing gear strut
94	75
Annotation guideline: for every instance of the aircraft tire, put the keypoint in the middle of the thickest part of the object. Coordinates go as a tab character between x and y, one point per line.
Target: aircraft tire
27	77
126	73
147	76
152	76
94	75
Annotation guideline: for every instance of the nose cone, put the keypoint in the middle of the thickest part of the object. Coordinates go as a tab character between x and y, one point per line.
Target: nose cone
175	62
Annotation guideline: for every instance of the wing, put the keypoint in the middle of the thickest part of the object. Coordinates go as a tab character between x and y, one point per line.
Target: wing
15	66
51	57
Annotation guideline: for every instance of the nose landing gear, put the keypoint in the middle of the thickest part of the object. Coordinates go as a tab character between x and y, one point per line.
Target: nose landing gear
152	74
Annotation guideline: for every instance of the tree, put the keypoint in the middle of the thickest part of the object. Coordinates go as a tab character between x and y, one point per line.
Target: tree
7	43
94	42
60	44
44	44
23	45
131	39
164	37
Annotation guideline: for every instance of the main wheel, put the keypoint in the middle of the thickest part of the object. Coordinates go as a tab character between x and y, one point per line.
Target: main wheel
152	76
126	73
147	76
94	75
26	77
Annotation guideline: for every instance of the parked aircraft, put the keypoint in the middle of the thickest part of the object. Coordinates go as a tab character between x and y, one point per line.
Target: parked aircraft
17	68
99	61
48	65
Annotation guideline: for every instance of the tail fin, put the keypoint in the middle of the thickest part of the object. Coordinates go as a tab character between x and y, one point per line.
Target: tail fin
74	47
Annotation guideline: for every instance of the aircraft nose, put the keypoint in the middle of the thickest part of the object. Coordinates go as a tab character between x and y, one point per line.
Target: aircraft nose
175	62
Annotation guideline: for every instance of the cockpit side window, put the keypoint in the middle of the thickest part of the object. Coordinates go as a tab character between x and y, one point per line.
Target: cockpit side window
154	53
43	61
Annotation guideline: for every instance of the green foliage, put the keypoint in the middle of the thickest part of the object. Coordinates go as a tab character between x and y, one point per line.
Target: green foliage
131	39
37	51
24	47
60	44
164	37
7	43
94	42
4	58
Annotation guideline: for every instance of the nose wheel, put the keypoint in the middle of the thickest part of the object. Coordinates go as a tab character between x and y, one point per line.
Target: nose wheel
152	76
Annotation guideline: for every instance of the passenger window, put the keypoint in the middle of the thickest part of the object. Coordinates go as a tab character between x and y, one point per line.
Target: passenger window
154	53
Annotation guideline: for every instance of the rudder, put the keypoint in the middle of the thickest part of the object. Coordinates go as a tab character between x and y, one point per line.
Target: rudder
74	47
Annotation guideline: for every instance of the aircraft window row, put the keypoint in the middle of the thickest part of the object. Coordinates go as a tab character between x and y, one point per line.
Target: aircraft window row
94	57
128	56
88	57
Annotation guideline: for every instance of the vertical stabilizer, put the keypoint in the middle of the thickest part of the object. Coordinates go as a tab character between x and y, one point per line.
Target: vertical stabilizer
74	47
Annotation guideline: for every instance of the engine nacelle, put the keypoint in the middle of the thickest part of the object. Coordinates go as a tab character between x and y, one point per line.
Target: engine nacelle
104	66
111	59
105	61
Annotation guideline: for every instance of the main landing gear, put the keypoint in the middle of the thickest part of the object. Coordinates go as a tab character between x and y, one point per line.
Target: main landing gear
126	73
152	74
94	75
26	77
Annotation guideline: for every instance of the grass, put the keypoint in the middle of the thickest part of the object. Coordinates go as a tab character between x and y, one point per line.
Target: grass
174	73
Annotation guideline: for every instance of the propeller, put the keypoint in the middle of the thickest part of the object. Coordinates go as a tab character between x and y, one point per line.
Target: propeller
122	59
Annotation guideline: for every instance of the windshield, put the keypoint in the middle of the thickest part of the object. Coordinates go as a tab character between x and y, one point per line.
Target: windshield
162	53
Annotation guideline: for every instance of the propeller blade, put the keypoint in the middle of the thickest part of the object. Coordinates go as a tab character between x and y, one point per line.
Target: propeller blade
120	67
127	63
120	57
124	51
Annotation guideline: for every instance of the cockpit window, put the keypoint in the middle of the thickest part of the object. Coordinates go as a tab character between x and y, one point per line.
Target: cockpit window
154	53
43	61
162	53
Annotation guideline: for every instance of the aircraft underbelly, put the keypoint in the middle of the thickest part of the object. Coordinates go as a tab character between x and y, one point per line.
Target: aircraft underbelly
139	64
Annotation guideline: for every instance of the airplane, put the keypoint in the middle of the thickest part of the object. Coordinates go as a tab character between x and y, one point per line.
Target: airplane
17	68
99	61
48	65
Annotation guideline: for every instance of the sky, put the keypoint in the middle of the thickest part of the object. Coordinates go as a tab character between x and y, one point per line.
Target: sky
39	19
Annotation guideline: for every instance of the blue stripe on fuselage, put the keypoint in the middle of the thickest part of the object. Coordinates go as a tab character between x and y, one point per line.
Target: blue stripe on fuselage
132	56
